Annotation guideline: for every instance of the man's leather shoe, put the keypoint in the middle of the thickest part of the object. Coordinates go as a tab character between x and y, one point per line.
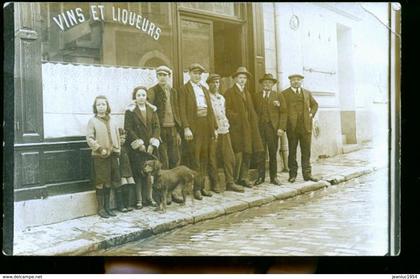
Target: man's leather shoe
245	183
216	190
311	178
206	193
275	181
139	206
111	213
149	203
235	188
197	195
103	213
177	199
259	181
292	179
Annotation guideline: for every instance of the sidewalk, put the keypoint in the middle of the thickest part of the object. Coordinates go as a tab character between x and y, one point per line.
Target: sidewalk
83	235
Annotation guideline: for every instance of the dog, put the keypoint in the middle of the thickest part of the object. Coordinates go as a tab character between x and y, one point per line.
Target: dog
165	182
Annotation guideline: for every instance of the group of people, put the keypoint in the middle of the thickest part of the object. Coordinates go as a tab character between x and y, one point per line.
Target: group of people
201	128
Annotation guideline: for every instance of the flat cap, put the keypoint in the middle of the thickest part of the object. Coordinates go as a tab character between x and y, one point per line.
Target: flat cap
213	77
163	69
196	66
296	75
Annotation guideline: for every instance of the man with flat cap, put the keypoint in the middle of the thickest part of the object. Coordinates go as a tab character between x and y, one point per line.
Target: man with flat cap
244	132
199	126
271	109
221	150
165	98
302	108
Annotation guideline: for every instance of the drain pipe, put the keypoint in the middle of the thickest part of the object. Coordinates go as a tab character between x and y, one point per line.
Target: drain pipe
277	46
284	150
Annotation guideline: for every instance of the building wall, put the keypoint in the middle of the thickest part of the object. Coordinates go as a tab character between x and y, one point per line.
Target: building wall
332	46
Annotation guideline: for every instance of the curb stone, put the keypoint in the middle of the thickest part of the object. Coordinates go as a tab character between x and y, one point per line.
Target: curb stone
336	179
137	235
256	201
211	214
286	194
353	174
236	206
309	187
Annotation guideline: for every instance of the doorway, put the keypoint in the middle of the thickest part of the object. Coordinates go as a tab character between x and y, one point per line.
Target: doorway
227	51
215	44
346	84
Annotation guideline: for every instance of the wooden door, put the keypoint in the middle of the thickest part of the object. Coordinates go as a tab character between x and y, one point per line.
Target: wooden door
196	45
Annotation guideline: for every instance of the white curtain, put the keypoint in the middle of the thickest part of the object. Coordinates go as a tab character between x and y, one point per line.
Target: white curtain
70	89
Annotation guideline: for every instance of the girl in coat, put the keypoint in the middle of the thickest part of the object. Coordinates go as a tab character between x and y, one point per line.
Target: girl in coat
143	132
104	140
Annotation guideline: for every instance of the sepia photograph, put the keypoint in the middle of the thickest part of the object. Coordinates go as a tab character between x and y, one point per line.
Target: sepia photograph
204	129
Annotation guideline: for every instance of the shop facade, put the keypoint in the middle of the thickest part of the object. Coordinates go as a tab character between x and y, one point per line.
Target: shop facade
63	57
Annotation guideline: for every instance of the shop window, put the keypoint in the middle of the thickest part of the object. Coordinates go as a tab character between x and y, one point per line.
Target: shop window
84	57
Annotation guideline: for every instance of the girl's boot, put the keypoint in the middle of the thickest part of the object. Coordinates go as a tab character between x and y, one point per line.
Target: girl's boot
119	198
127	196
107	202
100	199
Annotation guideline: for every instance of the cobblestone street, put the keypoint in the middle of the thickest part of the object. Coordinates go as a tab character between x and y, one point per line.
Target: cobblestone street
345	219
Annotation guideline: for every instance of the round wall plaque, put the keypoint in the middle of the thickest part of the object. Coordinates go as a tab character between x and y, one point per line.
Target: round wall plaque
294	22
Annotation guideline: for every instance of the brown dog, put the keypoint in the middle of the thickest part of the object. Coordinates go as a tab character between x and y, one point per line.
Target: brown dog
165	181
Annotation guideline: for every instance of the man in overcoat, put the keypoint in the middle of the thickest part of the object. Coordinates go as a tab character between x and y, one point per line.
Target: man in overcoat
199	126
243	122
271	109
302	108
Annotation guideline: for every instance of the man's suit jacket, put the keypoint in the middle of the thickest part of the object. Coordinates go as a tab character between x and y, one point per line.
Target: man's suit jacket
277	115
156	96
188	108
243	120
310	106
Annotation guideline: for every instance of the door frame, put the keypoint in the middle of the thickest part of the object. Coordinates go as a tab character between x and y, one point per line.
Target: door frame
182	17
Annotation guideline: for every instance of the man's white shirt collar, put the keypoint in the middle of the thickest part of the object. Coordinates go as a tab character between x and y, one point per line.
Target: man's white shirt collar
195	84
240	87
294	89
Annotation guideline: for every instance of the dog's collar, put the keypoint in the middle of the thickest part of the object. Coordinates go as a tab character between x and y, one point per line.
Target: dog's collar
157	174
